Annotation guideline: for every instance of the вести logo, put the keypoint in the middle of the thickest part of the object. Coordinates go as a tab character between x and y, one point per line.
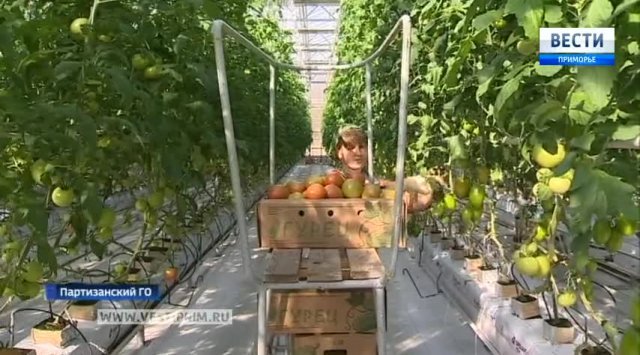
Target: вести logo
577	46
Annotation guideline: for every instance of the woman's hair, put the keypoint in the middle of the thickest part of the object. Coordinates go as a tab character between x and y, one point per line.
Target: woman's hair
350	136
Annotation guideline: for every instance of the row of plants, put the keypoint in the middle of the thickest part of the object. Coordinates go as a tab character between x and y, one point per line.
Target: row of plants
110	113
482	107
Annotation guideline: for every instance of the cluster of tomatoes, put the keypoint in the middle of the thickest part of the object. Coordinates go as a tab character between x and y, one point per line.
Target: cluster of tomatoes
333	185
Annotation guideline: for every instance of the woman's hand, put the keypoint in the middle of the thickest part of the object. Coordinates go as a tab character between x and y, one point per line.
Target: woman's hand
417	202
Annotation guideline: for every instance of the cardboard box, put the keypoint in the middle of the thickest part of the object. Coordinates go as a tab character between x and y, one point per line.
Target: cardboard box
335	311
338	344
329	223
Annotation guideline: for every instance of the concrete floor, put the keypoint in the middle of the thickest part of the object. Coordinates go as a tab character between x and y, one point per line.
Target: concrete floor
416	325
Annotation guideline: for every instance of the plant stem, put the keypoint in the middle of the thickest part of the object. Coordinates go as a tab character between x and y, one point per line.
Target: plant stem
598	317
553	225
554	295
493	233
136	250
94	8
6	303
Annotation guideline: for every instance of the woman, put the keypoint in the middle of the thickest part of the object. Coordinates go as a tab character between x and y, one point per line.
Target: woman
352	151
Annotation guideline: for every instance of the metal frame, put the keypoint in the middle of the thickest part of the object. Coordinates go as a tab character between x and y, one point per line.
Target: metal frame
220	29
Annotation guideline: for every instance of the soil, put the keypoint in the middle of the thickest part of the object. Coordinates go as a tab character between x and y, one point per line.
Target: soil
14	351
52	324
168	240
487	268
84	303
507	283
526	298
595	350
559	323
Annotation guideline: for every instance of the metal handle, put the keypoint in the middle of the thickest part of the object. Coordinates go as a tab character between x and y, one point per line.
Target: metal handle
220	29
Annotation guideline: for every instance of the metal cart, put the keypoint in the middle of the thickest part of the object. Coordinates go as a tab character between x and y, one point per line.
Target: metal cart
220	30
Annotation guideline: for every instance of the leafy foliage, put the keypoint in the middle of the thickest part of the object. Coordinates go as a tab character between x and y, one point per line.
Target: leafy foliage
478	97
127	101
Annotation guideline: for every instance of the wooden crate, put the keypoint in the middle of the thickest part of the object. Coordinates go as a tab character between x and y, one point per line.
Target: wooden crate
343	344
318	265
328	223
322	311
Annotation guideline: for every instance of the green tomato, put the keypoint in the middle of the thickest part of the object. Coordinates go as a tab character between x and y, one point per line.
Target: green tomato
4	230
27	289
625	226
467	216
142	205
567	299
526	47
107	218
156	199
500	24
62	197
33	272
37	170
450	202
120	269
151	218
153	72
76	26
476	196
139	61
106	233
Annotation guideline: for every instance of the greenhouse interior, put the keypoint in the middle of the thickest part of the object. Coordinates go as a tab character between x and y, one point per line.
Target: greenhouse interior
320	177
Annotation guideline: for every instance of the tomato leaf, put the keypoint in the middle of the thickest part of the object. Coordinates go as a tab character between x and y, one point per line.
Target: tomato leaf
79	224
550	110
482	22
46	255
97	248
547	70
553	13
580	245
581	109
118	79
622	7
37	216
212	8
529	14
457	149
507	90
597	83
91	203
626	132
66	69
597	14
583	142
589	184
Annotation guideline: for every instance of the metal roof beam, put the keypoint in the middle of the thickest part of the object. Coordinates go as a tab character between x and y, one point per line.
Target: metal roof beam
316	30
317	20
319	62
318	47
317	2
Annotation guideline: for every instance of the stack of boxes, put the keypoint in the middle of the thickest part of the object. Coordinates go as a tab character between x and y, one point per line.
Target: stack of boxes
324	241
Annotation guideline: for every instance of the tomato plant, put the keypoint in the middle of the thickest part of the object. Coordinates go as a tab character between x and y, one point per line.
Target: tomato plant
479	98
103	98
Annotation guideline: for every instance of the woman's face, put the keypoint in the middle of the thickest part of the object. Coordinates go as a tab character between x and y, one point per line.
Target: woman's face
353	156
